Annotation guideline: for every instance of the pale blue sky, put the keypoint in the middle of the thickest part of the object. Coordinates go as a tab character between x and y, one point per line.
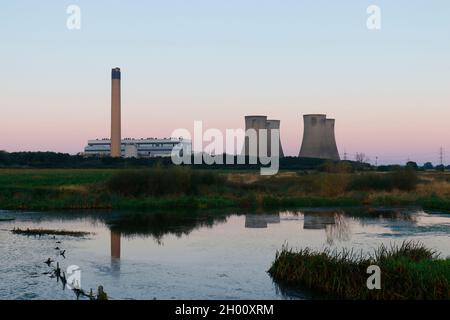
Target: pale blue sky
217	61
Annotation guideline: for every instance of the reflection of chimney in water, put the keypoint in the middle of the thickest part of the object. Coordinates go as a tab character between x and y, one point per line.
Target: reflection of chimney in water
115	244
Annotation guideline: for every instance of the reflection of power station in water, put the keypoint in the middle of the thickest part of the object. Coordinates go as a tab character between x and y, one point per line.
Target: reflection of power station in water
115	244
318	220
259	221
253	140
319	140
115	251
335	224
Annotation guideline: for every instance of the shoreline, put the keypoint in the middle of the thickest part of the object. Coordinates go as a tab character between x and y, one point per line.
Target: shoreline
213	202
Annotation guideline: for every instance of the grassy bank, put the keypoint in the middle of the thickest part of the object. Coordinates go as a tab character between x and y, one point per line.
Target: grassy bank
409	271
165	188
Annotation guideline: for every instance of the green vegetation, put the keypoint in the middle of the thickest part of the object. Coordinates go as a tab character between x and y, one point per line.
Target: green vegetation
163	181
52	160
183	187
402	179
409	271
48	232
43	178
7	219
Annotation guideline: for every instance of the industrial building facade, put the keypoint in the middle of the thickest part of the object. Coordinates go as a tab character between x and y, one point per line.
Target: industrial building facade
130	148
137	148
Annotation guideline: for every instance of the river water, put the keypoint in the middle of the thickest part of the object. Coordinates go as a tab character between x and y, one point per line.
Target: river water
193	255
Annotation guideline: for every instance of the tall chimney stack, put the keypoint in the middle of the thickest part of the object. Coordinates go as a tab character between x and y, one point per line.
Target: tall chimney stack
115	114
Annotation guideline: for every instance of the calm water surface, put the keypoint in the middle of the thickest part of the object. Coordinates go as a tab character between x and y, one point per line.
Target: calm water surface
179	255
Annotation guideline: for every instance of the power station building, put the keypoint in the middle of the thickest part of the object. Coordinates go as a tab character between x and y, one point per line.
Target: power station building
318	138
257	123
137	148
130	148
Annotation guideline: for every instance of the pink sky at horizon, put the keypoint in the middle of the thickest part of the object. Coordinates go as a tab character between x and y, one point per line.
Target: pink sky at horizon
394	137
217	61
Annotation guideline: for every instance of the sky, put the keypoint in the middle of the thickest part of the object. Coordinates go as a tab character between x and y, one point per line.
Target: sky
219	60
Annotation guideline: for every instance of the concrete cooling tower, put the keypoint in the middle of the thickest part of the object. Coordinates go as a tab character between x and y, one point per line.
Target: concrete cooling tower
318	138
115	114
257	123
273	125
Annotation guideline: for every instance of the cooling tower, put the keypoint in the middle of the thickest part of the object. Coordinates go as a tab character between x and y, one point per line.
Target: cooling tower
115	114
330	140
257	123
318	138
271	125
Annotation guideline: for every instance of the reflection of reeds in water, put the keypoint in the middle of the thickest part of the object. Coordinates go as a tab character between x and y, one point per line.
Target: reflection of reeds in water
48	232
340	230
157	225
401	214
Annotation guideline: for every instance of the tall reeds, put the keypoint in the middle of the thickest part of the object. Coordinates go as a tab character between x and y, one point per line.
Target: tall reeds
408	271
161	181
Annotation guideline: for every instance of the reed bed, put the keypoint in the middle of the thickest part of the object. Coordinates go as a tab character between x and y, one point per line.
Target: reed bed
184	187
409	271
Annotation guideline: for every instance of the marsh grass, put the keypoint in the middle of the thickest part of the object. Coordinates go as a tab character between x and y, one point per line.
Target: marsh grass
408	271
184	187
32	178
404	179
163	181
